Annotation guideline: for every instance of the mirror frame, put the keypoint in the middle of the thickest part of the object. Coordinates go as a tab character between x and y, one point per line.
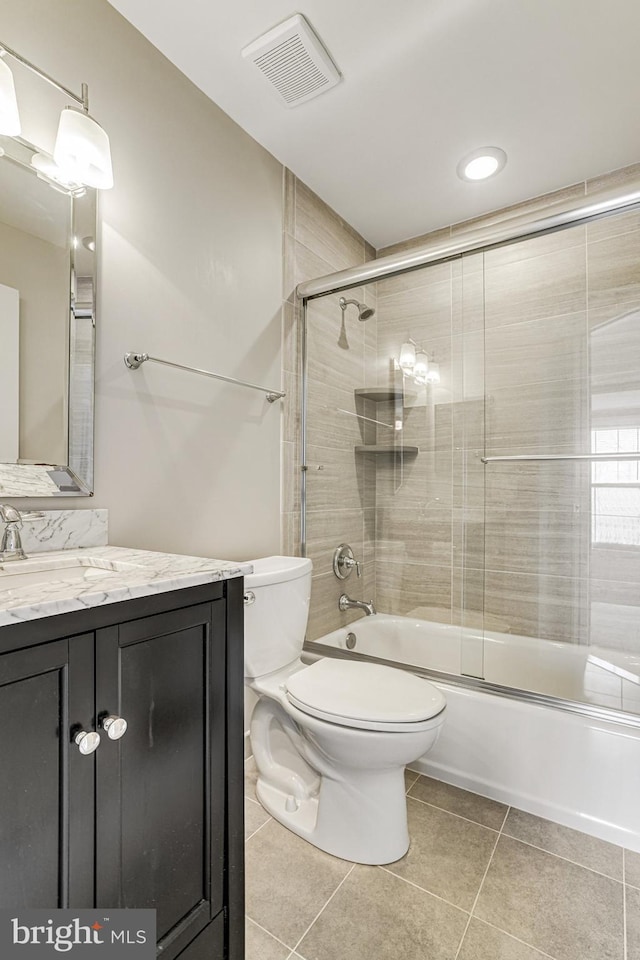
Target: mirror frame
75	477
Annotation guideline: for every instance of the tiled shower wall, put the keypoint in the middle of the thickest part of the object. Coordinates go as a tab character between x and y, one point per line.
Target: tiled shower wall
536	341
317	242
528	337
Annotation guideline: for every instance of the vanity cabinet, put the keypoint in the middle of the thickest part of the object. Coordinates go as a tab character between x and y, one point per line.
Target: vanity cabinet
153	819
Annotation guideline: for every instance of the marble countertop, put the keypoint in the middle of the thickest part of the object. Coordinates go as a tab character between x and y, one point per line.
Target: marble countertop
94	576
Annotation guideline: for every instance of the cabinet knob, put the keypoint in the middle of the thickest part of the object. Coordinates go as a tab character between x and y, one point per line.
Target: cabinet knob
87	742
114	727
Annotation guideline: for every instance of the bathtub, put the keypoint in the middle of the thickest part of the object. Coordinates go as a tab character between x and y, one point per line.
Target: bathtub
535	752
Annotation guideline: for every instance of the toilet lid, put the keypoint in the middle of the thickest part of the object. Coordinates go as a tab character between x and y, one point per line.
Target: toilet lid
364	693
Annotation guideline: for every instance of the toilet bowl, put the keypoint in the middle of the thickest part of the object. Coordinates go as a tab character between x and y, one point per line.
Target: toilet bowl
331	739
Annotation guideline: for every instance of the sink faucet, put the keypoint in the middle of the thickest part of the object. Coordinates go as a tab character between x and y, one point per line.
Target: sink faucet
11	546
346	603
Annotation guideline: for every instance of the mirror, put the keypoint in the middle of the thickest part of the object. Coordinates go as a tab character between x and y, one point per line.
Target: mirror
47	330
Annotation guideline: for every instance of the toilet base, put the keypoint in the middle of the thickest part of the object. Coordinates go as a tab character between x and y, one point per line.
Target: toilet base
367	826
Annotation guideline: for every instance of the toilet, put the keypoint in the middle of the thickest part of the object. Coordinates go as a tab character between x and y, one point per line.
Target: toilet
331	739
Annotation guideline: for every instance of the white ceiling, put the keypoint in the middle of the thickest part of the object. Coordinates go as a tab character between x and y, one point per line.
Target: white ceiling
555	83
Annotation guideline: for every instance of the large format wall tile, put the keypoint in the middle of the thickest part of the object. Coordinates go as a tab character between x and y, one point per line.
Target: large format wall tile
547	286
320	229
401	587
614	269
549	607
420	533
536	351
341	350
424	305
531	209
528	419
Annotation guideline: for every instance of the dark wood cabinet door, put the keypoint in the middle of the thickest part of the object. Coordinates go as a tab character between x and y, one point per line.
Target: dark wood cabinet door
160	790
46	784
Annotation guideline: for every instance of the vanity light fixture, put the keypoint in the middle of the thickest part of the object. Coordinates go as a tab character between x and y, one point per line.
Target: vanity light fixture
414	363
82	155
9	116
482	163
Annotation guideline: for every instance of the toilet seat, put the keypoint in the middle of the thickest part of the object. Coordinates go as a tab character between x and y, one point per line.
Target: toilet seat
367	696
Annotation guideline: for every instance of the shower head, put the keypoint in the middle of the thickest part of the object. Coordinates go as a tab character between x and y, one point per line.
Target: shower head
364	312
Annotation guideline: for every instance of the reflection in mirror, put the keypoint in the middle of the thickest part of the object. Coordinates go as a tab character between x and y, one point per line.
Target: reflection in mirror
47	325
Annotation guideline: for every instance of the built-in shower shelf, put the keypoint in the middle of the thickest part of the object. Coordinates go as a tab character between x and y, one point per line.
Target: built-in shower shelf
401	449
382	394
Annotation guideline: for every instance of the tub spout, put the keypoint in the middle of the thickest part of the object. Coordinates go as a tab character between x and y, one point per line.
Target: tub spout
346	603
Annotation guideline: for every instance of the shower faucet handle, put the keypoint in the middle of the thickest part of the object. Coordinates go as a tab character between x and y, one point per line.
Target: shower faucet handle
344	562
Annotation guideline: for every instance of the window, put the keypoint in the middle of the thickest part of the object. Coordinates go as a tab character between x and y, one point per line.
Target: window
615	488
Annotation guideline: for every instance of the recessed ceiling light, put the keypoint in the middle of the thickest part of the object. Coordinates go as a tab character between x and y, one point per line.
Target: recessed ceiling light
482	163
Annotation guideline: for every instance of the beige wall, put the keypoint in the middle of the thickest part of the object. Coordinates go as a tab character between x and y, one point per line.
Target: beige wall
44	311
189	270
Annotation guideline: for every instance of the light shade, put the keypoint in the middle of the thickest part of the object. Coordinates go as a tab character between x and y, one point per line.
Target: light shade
420	370
46	166
82	149
9	116
433	373
407	357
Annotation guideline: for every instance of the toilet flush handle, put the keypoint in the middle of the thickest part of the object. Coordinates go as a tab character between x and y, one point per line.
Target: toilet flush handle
249	597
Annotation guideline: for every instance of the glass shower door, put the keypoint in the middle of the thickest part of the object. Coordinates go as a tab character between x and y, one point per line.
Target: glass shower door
562	453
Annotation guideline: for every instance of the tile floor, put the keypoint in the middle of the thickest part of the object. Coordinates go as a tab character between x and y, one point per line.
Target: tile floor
481	881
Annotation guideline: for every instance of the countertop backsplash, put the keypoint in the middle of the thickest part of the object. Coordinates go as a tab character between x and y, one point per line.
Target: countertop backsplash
65	530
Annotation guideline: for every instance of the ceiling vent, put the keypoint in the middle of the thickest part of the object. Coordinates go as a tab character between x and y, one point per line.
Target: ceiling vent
292	58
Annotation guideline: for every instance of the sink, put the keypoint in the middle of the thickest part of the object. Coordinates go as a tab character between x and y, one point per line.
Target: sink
27	573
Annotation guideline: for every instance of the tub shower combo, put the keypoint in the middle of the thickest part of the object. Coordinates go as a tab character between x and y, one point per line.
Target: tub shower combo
470	497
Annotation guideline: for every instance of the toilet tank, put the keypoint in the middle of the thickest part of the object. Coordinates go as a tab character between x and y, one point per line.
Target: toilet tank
276	621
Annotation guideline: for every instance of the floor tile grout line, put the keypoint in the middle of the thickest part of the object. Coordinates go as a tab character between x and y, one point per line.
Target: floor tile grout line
412	784
417	886
484	876
347	874
458	815
519	839
559	856
258	829
508	811
542	953
272	935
